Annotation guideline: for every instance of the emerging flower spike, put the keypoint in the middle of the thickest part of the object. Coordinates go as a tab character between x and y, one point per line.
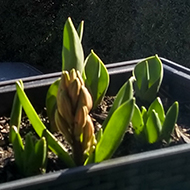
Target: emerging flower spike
74	103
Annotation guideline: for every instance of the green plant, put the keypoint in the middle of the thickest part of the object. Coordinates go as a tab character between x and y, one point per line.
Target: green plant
69	100
92	69
153	125
150	123
147	76
30	158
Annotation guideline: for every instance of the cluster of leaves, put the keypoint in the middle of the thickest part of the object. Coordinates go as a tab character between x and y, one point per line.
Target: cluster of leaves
96	79
151	125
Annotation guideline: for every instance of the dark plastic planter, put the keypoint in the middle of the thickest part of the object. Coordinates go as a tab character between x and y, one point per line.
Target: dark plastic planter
166	168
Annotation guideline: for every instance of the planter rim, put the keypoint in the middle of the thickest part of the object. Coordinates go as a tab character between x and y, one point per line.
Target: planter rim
115	162
113	68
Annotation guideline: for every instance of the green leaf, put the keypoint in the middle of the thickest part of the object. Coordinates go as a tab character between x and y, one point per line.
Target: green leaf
153	127
58	148
151	93
114	132
125	93
90	159
41	153
16	114
28	108
96	78
80	30
144	114
141	74
156	70
170	121
99	135
72	52
148	74
137	121
158	107
18	148
29	153
39	127
51	103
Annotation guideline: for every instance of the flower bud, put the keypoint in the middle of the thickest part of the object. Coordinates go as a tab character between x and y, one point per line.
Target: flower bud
64	82
74	91
80	78
85	98
80	121
74	103
73	75
88	132
63	126
64	106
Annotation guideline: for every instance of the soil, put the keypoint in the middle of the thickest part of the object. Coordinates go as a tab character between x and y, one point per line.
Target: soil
129	145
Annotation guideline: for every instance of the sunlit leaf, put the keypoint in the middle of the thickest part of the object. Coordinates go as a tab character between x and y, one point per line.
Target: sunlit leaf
159	109
148	75
137	120
80	30
72	52
96	78
153	127
114	131
125	93
170	120
51	103
18	148
40	128
16	114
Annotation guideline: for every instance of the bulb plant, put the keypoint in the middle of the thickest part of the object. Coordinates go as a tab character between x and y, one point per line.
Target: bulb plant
151	124
154	125
147	78
79	90
72	117
31	157
69	100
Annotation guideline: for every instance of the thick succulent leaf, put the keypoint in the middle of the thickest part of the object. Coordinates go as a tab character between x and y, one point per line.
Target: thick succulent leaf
41	153
159	109
137	121
170	121
16	114
151	92
28	108
39	127
99	135
80	30
58	148
153	127
29	152
18	148
148	74
141	75
90	159
51	104
114	132
144	114
125	93
72	52
155	69
96	78
145	79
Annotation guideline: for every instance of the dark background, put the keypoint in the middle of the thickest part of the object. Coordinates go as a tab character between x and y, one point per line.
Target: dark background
117	30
